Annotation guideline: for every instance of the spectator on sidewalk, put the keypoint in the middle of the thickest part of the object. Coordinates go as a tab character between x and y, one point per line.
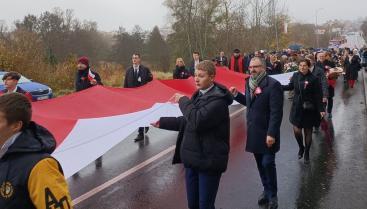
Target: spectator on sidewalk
11	80
180	72
86	77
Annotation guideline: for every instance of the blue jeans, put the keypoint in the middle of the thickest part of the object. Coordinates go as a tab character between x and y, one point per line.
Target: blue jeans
201	188
268	173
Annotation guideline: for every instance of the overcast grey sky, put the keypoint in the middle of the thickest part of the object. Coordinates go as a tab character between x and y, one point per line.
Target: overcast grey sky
110	14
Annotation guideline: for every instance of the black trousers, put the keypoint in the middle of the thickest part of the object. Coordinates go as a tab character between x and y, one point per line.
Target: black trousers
268	174
141	130
201	188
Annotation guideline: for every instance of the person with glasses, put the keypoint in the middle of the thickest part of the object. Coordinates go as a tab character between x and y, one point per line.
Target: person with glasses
264	101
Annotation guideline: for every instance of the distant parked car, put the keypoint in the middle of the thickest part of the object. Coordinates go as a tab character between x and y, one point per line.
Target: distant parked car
38	91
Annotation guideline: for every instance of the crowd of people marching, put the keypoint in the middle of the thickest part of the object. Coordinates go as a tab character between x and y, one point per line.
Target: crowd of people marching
203	139
313	88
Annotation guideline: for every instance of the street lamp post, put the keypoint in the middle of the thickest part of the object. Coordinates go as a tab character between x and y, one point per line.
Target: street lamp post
316	31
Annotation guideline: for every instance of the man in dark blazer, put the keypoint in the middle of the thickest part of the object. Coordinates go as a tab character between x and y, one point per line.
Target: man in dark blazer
196	59
137	75
10	81
223	60
264	100
274	66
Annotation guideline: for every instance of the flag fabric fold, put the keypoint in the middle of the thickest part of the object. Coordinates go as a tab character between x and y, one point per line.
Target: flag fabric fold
88	123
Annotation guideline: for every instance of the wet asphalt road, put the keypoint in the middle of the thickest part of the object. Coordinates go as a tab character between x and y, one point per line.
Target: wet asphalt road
335	179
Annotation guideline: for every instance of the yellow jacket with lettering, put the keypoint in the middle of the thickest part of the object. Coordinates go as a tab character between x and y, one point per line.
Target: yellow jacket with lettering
29	176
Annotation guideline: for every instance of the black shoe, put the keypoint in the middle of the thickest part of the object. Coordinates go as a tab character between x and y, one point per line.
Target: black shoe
262	199
146	129
300	153
98	162
273	203
140	137
307	158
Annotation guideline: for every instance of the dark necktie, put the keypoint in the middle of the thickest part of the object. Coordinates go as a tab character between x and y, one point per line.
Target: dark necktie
136	74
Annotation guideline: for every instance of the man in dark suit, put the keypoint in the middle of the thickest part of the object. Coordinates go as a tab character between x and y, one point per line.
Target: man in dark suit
196	59
274	66
264	100
223	60
137	75
11	80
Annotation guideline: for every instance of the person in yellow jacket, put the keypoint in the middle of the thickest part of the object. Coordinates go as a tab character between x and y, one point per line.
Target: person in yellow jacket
29	176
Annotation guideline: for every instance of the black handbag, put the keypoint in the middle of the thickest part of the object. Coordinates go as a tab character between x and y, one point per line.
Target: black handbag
306	105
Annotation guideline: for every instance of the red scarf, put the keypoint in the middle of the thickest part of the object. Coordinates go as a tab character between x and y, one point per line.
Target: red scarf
240	64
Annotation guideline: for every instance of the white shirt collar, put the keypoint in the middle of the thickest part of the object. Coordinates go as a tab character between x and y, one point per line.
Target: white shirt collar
206	90
15	90
8	143
136	67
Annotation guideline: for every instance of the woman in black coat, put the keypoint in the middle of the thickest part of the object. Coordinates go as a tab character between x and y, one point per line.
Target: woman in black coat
180	72
352	65
203	139
307	108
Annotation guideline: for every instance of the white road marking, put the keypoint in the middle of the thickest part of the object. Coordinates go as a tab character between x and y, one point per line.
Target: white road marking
132	170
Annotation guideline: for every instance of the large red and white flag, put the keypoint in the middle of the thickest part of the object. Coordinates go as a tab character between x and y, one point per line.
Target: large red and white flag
86	128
